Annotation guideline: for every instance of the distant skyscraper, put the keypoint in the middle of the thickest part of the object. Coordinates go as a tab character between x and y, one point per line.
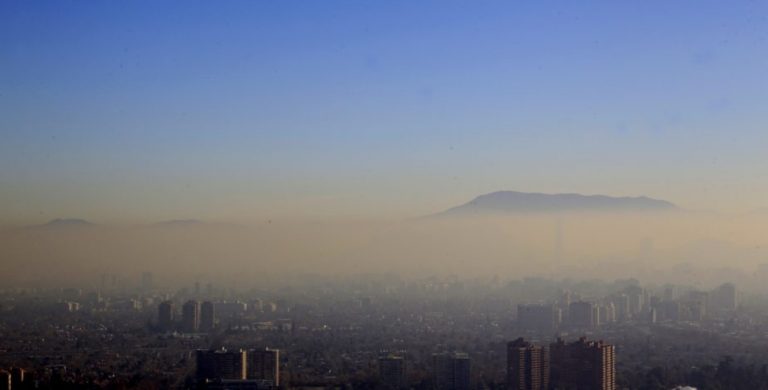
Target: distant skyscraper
582	365
451	371
220	364
527	366
165	315
264	364
190	317
207	316
392	371
582	314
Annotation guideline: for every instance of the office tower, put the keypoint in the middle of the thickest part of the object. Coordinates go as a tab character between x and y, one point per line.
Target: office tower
392	371
165	315
264	364
543	318
190	317
527	366
451	371
582	365
220	364
207	316
147	282
582	314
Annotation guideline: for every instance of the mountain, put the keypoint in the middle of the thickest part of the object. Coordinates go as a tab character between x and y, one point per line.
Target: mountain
503	202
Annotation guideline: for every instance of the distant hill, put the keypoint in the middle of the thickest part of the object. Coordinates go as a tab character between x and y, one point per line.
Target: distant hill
503	202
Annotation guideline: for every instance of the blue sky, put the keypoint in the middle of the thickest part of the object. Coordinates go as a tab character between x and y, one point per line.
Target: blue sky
119	110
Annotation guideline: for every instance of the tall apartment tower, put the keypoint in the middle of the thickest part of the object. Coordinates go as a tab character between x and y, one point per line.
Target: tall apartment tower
392	371
582	364
451	371
165	315
264	364
582	314
220	364
527	366
190	317
207	316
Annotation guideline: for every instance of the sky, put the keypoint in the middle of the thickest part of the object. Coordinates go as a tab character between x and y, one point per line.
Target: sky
141	111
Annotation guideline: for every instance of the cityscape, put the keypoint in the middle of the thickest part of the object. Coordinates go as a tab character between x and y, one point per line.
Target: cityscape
381	331
383	195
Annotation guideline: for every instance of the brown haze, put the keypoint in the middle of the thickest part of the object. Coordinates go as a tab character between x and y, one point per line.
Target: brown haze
696	248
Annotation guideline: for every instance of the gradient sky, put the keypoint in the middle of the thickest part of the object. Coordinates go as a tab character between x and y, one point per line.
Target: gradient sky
231	110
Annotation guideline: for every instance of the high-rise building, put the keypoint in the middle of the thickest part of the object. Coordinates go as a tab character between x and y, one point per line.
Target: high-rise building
207	316
165	315
392	371
220	364
582	365
190	316
264	364
540	317
607	313
527	366
636	296
451	371
582	314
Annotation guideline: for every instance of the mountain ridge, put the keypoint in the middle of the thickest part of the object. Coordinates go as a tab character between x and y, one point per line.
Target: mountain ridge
508	202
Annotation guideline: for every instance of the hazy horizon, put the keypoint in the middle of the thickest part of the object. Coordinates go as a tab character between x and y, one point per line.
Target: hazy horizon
317	137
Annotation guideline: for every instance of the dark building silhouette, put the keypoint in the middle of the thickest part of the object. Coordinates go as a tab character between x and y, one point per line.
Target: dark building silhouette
392	373
213	365
451	371
527	366
264	365
165	315
190	317
582	365
207	316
